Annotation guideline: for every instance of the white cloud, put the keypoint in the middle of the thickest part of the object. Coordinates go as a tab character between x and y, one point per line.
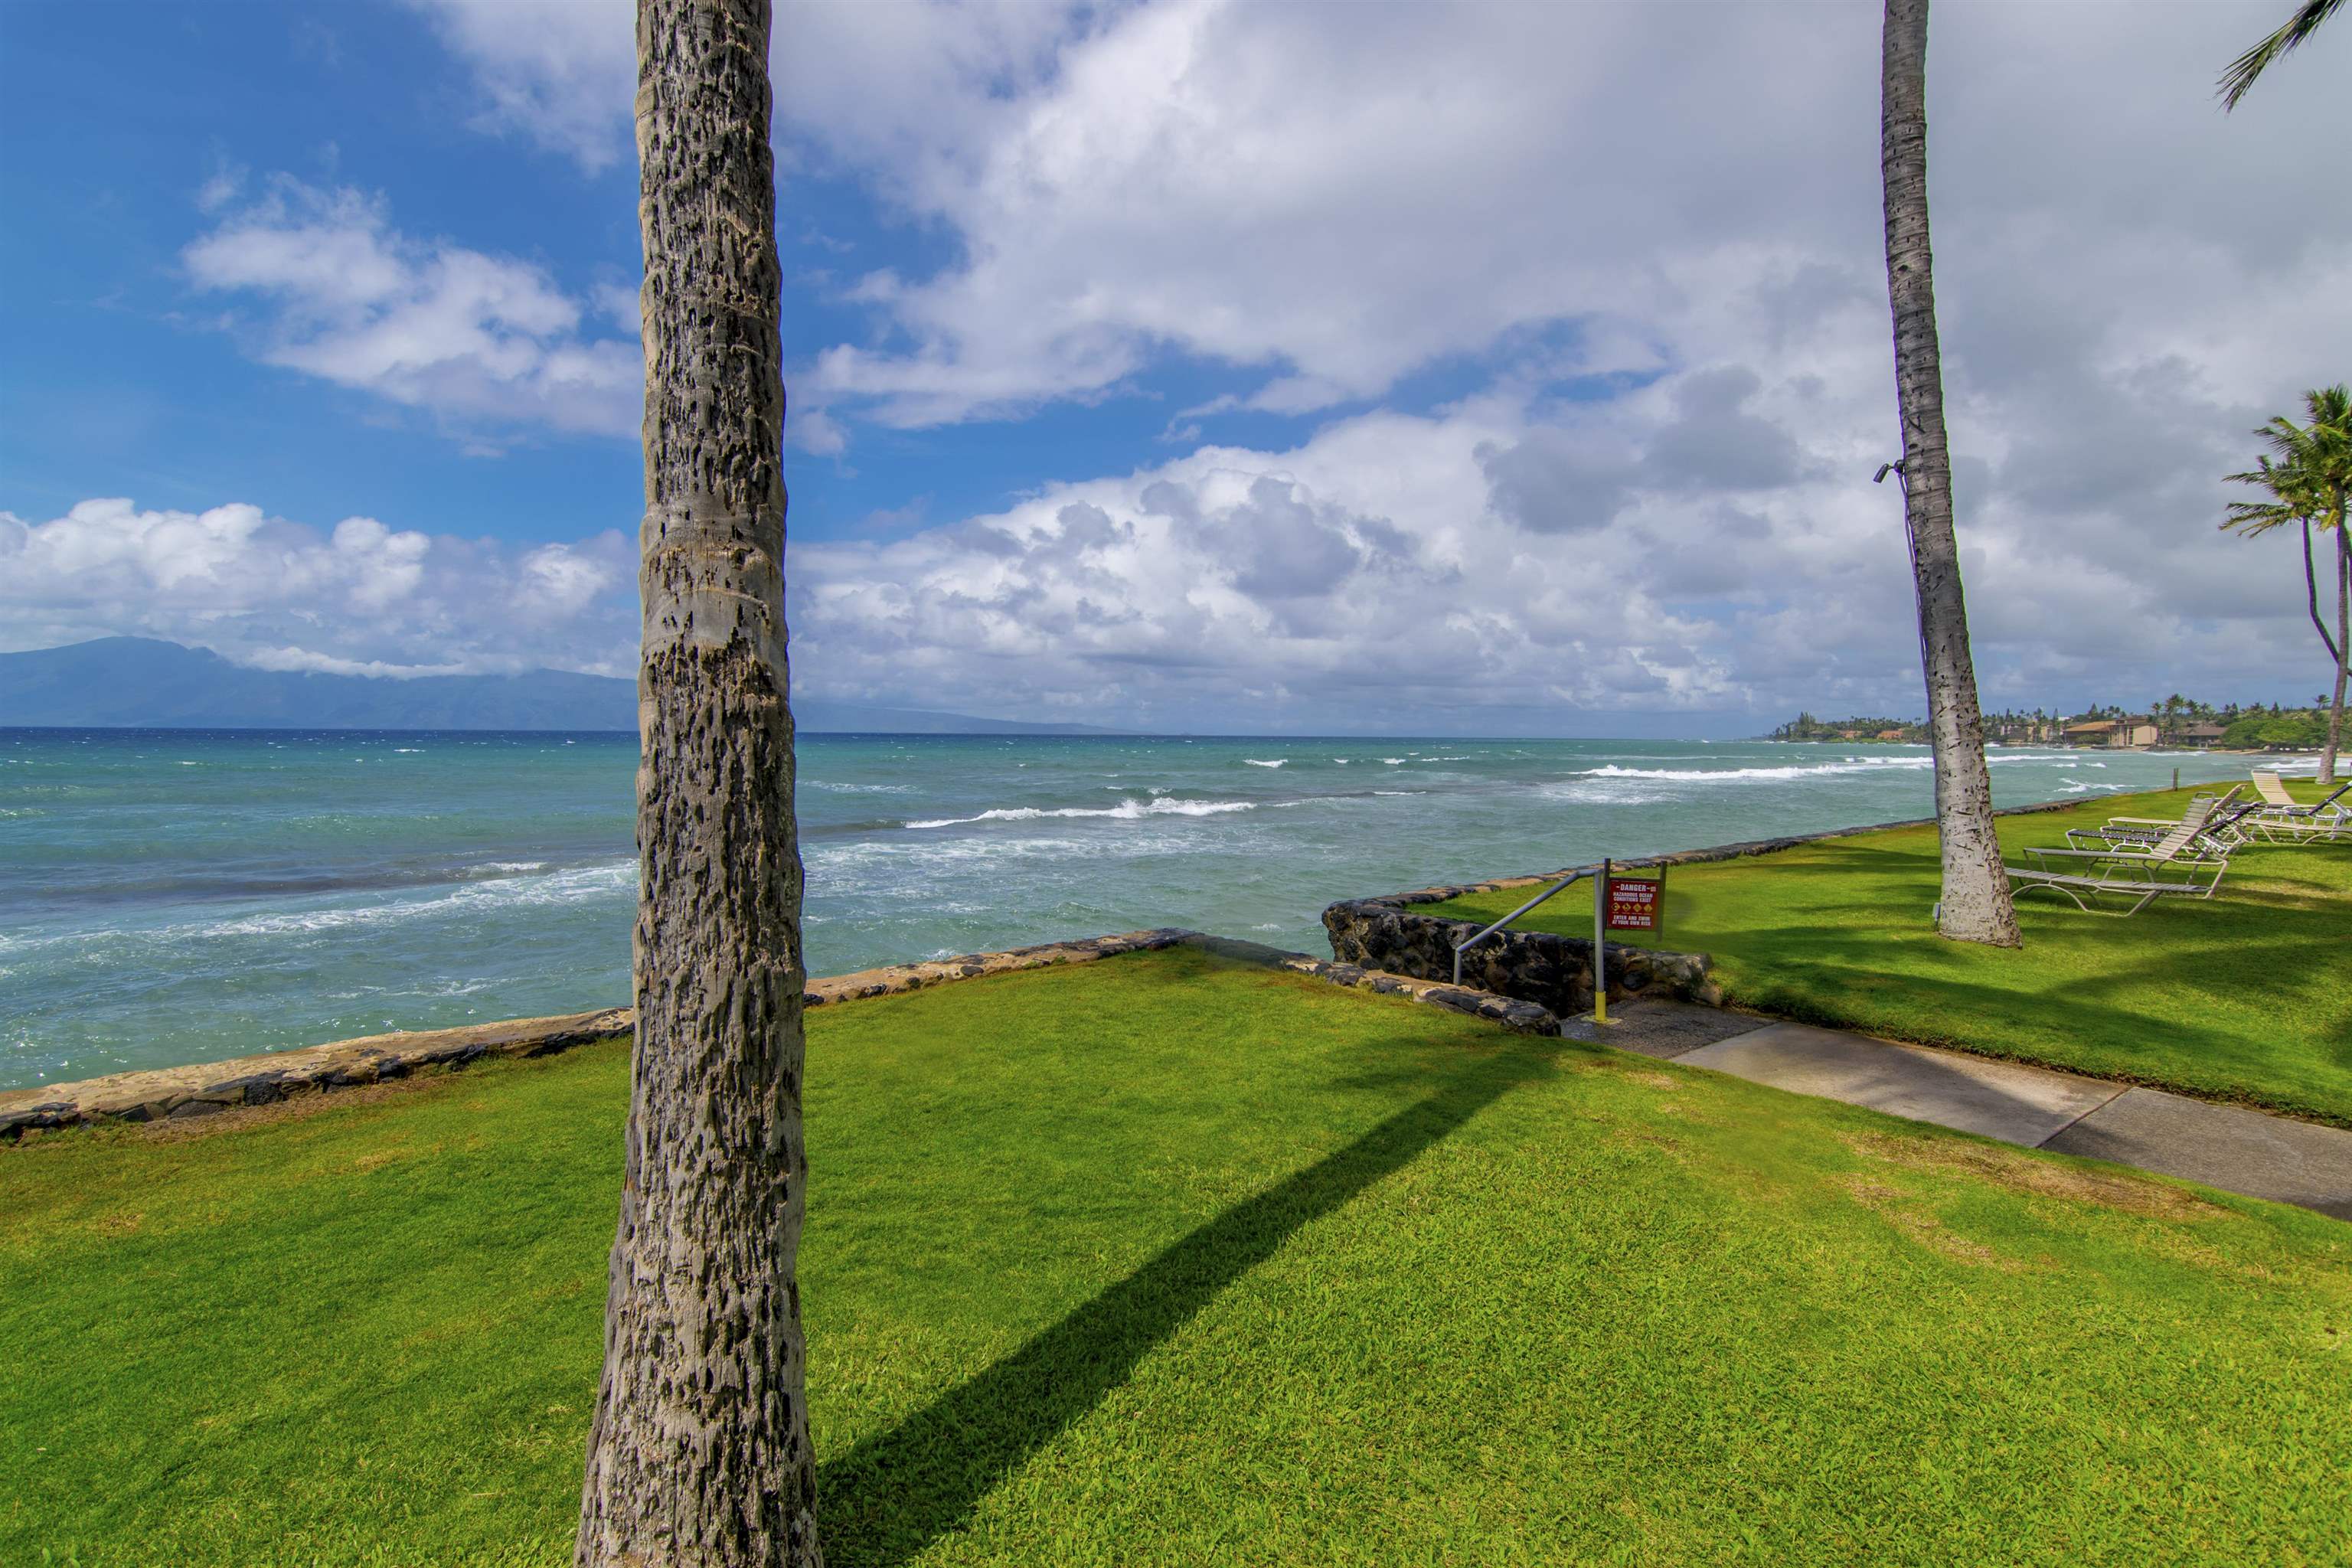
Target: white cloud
486	343
1651	235
903	86
1381	573
1332	196
304	662
1336	196
358	598
1417	573
559	72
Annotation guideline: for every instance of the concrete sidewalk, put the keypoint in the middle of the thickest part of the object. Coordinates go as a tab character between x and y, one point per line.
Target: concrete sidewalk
2225	1146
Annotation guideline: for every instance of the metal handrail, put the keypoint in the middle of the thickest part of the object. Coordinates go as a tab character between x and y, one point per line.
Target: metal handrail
1559	887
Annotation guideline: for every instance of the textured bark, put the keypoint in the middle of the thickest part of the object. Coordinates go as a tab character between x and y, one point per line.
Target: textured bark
700	1453
2343	645
1975	904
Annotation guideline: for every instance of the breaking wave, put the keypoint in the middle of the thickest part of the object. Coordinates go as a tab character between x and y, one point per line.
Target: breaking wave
582	885
1126	810
1752	775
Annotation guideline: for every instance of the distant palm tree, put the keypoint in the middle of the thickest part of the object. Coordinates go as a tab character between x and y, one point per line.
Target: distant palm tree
2247	68
1975	902
699	1451
2308	476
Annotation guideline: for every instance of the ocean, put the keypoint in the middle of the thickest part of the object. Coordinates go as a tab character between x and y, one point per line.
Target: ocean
184	896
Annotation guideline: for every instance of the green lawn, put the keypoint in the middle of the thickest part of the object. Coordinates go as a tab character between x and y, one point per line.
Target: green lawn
1168	1260
2247	997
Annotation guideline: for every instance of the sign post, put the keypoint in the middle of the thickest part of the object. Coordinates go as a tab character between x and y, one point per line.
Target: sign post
1621	903
1600	946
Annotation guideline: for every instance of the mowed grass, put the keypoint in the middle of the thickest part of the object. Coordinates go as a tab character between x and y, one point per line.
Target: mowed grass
1168	1260
2246	996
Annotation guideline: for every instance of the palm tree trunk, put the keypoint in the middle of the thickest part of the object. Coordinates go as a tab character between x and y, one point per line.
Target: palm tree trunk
699	1452
1976	903
2310	591
2343	648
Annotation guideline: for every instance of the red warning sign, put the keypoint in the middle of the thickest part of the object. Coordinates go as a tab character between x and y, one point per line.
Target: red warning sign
1634	903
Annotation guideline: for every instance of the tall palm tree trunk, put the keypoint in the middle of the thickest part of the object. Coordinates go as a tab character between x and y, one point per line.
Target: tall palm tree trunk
1976	903
2311	592
699	1452
2343	648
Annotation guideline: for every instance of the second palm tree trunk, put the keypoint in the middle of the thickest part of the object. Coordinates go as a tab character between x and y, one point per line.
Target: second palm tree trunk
2343	648
1975	906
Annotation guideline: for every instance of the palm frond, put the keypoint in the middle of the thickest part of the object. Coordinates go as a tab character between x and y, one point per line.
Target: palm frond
2244	70
2296	498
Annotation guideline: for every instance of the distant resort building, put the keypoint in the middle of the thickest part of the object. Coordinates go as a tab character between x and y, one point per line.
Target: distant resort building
2122	734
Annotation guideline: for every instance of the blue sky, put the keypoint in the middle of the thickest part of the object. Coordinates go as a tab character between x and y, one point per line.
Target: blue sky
1184	362
124	116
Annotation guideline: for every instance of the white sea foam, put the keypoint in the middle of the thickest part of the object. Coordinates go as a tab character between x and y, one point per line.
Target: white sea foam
1393	762
911	870
1753	775
837	787
1256	764
580	885
1127	810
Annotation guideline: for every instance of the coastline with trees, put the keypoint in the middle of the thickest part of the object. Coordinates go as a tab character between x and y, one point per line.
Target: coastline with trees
2177	723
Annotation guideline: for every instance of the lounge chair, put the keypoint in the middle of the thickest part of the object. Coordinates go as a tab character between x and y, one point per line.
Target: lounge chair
2178	864
2281	819
2146	832
2326	823
2273	792
2117	878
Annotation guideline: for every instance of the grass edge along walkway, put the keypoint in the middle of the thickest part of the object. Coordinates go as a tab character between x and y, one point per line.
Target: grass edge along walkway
1167	1259
2246	998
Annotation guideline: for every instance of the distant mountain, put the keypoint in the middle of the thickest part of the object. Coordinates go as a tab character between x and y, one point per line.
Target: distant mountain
143	683
821	718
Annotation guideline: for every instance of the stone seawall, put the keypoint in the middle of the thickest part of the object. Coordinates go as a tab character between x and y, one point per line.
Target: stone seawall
1383	933
208	1088
1555	972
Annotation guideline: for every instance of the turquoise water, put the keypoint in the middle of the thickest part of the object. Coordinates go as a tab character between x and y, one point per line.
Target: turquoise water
175	896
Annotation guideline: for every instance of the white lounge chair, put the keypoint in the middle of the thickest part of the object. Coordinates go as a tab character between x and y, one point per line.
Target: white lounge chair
2282	819
2175	866
2114	878
2210	829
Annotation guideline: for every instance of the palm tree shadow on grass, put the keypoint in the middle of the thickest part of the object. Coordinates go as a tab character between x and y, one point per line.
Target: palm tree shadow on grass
894	1494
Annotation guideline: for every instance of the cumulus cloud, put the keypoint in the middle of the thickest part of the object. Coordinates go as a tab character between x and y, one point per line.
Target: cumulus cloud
551	70
903	87
486	343
357	599
1647	238
1378	574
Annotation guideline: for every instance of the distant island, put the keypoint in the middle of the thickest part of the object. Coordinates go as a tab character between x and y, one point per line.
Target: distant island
143	683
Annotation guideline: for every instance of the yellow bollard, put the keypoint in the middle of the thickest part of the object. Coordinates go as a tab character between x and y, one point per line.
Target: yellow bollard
1600	946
